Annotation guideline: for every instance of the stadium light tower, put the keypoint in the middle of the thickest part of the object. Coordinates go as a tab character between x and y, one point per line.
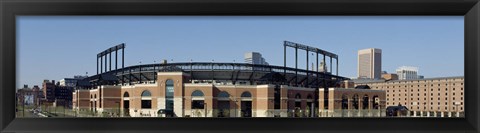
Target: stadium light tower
307	49
108	52
314	50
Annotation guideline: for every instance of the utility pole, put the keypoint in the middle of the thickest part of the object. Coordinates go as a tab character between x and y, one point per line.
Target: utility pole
23	104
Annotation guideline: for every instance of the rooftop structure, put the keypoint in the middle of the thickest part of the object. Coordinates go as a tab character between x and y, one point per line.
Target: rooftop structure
255	58
225	73
407	72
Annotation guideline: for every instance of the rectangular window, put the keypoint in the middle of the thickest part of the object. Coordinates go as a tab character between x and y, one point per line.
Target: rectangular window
197	104
146	104
170	91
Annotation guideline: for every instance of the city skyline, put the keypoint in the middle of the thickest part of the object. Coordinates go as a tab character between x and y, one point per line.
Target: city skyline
74	41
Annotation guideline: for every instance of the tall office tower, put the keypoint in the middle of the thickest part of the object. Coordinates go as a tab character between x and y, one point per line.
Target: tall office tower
370	63
407	72
255	58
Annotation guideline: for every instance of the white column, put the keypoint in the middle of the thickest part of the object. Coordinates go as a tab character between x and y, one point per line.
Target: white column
178	106
428	113
458	114
441	114
161	103
421	113
414	113
449	114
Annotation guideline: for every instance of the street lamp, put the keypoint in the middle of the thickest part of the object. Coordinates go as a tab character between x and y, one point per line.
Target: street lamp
55	108
205	108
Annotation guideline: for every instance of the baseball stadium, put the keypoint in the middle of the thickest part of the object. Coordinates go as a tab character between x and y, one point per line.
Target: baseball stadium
208	89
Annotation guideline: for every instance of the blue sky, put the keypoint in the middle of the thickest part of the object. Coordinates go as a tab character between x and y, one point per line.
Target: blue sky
57	47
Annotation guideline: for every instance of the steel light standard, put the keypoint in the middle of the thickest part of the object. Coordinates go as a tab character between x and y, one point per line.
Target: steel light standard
205	108
55	108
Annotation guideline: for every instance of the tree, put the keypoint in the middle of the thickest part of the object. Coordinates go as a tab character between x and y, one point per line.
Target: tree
307	111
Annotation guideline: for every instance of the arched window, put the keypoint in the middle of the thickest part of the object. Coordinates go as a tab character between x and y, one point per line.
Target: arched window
146	100
197	93
298	102
246	94
223	104
126	103
298	105
146	93
198	99
298	96
365	102
169	91
355	101
223	96
309	97
169	88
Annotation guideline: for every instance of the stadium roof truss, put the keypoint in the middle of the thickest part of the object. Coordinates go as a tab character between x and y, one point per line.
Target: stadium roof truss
255	73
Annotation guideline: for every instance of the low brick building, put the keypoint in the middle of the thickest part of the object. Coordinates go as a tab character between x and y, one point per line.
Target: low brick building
56	95
430	97
351	102
174	92
29	96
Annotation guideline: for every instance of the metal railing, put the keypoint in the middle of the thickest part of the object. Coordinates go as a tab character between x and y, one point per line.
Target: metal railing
50	111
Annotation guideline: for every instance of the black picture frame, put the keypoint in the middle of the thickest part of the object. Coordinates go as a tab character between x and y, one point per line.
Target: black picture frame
470	9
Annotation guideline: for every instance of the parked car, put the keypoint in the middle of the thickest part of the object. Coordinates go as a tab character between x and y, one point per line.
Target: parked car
396	111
